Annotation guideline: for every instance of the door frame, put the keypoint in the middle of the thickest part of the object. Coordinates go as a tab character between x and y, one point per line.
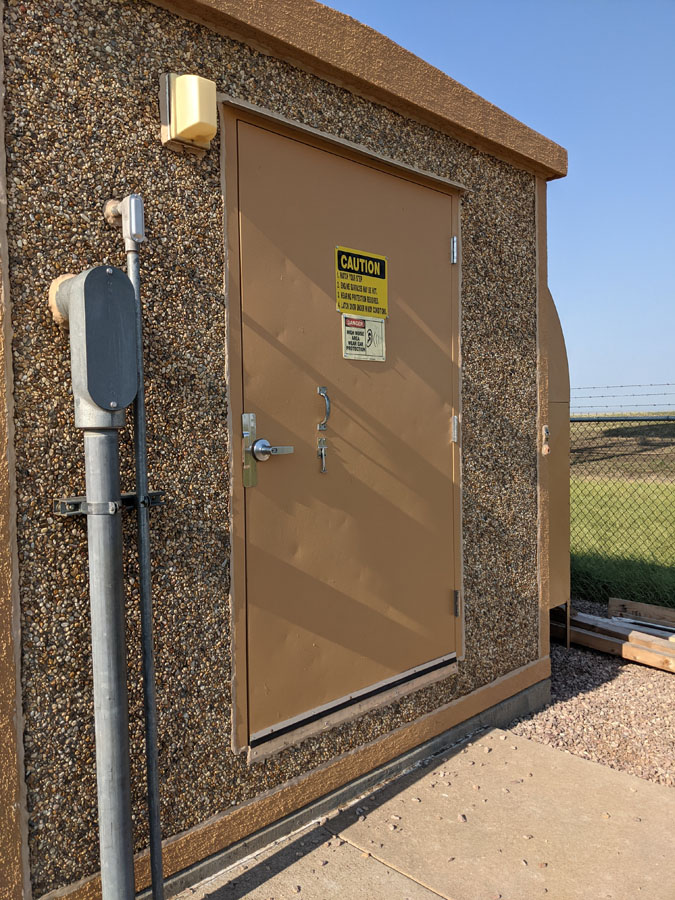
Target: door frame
233	110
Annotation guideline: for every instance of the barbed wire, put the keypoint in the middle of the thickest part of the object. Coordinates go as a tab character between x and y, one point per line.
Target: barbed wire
622	396
613	406
604	387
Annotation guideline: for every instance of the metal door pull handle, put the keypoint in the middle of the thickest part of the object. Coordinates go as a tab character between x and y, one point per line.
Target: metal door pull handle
324	393
262	450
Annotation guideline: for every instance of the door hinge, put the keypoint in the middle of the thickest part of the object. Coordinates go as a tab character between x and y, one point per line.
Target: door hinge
453	249
456	601
455	429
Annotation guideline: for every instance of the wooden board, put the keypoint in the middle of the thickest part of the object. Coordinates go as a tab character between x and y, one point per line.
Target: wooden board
616	647
624	629
623	632
662	631
660	615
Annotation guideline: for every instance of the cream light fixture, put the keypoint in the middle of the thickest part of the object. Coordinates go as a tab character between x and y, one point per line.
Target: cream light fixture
188	111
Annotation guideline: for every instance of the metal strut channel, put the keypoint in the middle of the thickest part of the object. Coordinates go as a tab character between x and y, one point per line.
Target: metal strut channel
77	506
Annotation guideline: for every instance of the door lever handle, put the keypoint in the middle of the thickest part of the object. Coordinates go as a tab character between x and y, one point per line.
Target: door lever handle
262	450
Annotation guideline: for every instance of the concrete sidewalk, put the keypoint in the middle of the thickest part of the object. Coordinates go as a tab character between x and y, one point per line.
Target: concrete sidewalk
499	818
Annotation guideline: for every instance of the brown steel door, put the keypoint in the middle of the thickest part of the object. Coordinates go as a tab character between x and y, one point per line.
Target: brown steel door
349	574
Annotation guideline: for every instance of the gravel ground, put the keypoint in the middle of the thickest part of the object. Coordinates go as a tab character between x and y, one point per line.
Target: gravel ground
614	712
591	607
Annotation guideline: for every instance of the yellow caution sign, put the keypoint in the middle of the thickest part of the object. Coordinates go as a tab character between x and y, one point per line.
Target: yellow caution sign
361	283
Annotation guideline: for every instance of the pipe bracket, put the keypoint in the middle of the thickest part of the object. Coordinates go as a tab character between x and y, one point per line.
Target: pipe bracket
78	506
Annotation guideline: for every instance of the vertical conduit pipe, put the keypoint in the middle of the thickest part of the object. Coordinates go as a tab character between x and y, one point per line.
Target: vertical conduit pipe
106	579
99	307
130	211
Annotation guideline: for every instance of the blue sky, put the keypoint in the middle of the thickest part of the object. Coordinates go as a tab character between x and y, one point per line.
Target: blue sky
598	77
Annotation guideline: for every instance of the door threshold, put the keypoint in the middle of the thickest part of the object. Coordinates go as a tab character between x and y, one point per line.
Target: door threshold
271	740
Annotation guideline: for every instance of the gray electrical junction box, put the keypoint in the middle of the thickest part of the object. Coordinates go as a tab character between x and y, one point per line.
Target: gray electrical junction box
99	305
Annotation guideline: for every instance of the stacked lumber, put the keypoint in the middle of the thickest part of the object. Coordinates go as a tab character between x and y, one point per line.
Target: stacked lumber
637	632
658	616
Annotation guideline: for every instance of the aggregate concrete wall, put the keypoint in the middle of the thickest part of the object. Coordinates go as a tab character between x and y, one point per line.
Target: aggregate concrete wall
82	126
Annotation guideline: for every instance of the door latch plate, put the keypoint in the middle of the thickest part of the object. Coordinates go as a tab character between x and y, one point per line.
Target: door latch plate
249	436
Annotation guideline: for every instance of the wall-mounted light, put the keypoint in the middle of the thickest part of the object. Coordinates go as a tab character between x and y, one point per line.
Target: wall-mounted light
188	112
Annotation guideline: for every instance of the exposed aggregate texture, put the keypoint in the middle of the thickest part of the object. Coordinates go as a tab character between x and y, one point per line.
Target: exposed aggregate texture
83	126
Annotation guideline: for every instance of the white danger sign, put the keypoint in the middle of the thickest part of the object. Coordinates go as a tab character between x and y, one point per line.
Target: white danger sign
363	338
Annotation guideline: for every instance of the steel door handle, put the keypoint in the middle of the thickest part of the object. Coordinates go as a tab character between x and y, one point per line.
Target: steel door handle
262	450
324	393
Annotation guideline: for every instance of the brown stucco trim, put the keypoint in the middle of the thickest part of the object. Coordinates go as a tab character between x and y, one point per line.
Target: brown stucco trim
343	50
542	418
14	872
554	353
553	387
222	830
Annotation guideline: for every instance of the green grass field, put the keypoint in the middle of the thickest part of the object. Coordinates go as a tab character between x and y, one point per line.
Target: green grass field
623	538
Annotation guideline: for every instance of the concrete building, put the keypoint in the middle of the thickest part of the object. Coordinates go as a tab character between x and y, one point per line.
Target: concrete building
364	232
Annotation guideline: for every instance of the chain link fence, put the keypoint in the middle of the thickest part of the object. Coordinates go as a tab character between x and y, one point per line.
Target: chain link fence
622	498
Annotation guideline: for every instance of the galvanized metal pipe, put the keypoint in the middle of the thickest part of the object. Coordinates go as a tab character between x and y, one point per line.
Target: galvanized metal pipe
143	545
106	579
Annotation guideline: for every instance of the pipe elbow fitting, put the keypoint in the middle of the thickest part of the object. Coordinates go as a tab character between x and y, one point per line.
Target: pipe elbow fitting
58	305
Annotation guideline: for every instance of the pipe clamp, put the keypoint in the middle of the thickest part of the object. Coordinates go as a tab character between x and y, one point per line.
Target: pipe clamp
77	506
111	508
